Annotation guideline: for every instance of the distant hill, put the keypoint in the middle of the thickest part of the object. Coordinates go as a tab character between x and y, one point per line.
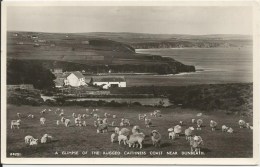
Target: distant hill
91	53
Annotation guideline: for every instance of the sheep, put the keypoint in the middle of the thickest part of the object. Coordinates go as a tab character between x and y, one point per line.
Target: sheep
136	129
113	137
106	115
156	113
136	138
156	138
181	122
61	113
84	116
124	131
43	112
247	125
30	116
224	128
34	142
105	120
141	117
73	115
199	123
57	122
102	128
125	122
15	123
28	139
199	114
46	138
96	116
79	116
195	143
148	122
213	125
242	123
78	122
114	116
87	110
62	120
18	115
230	130
117	130
122	138
188	133
95	123
67	122
113	123
177	130
172	135
84	123
99	121
42	120
193	121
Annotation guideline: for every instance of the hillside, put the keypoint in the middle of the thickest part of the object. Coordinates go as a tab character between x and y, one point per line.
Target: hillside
89	53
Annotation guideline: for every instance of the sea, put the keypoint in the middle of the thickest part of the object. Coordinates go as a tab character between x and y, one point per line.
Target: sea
213	66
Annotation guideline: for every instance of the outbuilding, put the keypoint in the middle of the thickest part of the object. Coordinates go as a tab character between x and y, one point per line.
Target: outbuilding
107	82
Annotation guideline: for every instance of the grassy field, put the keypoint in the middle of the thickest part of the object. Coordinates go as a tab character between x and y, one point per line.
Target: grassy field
216	144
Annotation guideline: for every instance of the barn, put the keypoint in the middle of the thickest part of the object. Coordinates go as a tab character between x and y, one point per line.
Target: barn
75	79
107	82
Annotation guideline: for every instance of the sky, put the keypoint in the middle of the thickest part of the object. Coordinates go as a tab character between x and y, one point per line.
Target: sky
137	19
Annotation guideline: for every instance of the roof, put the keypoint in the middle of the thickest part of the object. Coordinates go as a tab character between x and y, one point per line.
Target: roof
108	79
78	74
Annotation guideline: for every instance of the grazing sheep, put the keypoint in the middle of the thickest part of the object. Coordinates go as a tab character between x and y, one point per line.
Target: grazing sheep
84	116
121	124
141	117
87	109
117	130
156	138
147	122
122	138
124	131
114	116
102	128
95	123
28	139
67	122
242	123
156	113
42	120
136	139
125	122
96	116
78	121
62	120
181	122
199	123
213	125
73	115
30	116
34	142
99	121
57	122
79	116
84	123
113	123
193	121
172	135
188	133
106	115
177	130
224	128
46	138
18	115
113	137
199	114
196	143
105	120
136	129
230	130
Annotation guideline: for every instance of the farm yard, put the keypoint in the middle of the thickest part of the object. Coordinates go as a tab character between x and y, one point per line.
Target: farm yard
216	144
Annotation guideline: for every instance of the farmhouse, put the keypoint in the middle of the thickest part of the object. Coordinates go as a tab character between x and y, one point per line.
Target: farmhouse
75	79
107	82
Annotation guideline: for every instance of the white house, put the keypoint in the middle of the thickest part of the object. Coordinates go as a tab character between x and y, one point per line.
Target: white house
107	82
75	79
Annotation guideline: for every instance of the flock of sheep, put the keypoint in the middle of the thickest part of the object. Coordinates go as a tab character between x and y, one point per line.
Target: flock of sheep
121	133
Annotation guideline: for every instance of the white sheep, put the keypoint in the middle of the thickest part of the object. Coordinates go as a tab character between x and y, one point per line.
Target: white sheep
230	130
213	125
193	120
84	123
78	122
61	113
34	142
102	128
113	137
106	115
172	135
156	138
15	123
67	122
136	129
105	120
124	131
199	123
84	116
113	123
125	122
73	115
46	138
114	116
18	115
62	120
242	123
28	139
177	130
136	139
95	124
30	116
57	122
117	130
122	138
196	143
42	120
147	122
224	128
181	122
188	133
141	117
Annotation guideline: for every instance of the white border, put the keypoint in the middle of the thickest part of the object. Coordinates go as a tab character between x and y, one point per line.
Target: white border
181	161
